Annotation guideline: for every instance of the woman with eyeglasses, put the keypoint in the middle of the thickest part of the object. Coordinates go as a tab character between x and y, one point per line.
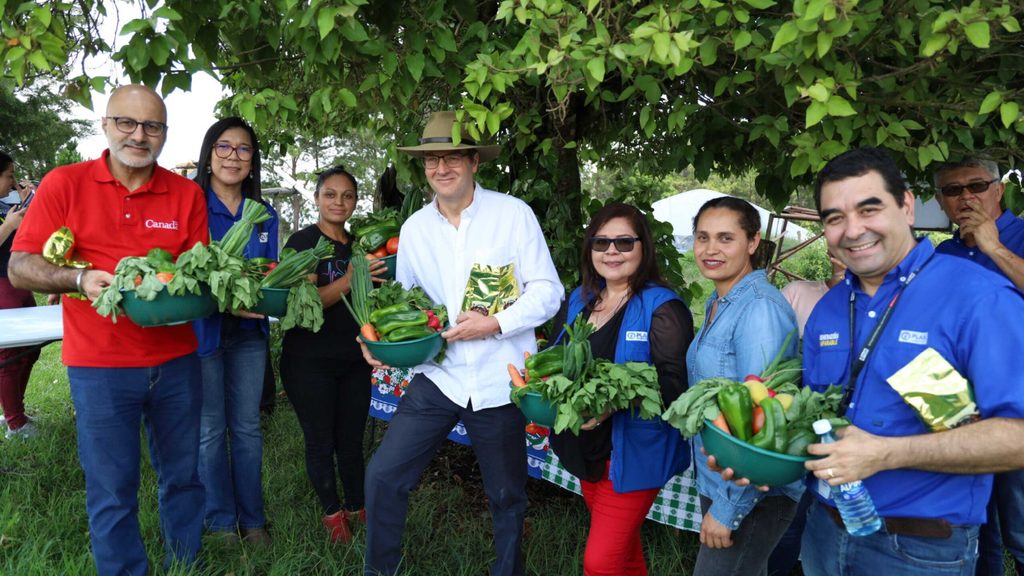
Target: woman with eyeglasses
623	461
746	321
15	363
233	346
324	373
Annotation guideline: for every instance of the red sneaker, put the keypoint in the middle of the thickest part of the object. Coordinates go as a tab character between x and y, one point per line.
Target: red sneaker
337	525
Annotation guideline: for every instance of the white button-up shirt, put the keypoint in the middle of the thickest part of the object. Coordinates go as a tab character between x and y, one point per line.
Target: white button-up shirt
495	230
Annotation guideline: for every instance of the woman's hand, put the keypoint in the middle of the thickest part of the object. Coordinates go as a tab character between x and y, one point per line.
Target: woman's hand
714	534
596	421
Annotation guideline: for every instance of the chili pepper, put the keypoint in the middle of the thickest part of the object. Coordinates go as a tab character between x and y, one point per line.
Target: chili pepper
799	440
773	436
382	312
396	320
734	402
408	333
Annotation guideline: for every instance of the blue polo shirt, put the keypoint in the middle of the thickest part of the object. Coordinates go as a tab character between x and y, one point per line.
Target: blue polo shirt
262	244
971	317
1011	234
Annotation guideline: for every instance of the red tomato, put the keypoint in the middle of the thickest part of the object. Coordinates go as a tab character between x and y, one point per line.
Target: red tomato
381	252
164	277
392	245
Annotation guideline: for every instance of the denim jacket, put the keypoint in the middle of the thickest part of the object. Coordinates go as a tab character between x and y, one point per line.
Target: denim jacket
750	325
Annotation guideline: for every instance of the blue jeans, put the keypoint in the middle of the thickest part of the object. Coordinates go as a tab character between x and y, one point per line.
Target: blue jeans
230	441
424	418
110	403
828	550
1005	526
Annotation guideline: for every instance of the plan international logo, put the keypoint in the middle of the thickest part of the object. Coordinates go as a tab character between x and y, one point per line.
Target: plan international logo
830	339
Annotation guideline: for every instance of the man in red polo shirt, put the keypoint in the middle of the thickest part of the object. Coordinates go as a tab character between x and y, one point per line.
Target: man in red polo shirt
120	205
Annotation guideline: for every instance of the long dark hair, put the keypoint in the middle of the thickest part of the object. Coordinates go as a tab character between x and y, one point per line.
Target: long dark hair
251	186
647	272
5	161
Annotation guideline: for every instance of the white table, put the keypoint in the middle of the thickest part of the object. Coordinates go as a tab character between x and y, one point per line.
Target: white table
30	326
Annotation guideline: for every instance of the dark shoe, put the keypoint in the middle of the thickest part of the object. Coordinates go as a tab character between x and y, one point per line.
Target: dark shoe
258	536
337	526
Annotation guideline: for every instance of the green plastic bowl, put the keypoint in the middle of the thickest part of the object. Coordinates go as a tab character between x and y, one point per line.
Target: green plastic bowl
537	409
762	467
390	261
167	310
406	354
273	302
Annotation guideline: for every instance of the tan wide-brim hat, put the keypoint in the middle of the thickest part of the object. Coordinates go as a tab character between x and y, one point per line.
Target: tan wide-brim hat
437	137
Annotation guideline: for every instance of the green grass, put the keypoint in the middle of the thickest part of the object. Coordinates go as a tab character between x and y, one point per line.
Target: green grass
44	529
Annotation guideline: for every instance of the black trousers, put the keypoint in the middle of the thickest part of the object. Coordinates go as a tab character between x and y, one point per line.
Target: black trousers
331	400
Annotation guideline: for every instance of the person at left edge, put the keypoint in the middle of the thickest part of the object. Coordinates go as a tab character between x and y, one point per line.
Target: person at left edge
123	376
636	318
233	346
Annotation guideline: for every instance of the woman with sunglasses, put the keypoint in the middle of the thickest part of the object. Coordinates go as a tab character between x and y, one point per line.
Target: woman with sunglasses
622	461
233	346
746	321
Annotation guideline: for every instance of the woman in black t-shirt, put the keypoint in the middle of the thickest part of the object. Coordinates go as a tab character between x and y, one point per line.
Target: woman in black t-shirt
324	374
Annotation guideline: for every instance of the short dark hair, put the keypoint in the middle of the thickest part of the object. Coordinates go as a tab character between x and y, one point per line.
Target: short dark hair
5	161
858	162
750	220
987	164
251	186
646	273
334	171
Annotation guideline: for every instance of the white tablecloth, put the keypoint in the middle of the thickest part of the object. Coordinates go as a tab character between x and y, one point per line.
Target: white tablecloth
28	326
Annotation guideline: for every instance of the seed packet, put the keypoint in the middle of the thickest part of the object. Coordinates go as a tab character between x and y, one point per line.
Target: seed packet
939	395
490	289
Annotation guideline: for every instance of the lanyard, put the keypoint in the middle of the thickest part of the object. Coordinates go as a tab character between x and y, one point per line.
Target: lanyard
857	362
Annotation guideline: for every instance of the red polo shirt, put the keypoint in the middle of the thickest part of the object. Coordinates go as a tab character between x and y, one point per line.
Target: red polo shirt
109	223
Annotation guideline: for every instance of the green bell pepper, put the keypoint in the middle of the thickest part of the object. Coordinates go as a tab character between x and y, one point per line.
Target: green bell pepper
735	404
773	434
374	236
396	320
382	312
544	357
409	333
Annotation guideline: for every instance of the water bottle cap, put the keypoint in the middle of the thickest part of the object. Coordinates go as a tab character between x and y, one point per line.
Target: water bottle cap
822	427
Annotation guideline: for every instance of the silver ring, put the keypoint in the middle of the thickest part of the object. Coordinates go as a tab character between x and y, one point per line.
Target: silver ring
831	474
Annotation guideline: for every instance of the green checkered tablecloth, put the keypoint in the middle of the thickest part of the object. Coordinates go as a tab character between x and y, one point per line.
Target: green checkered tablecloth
677	504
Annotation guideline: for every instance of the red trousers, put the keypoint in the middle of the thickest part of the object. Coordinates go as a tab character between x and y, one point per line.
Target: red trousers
613	545
14	375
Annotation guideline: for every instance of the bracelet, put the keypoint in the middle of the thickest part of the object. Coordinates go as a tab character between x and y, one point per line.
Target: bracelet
78	280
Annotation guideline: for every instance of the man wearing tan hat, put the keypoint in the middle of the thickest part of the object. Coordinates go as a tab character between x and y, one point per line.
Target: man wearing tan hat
466	237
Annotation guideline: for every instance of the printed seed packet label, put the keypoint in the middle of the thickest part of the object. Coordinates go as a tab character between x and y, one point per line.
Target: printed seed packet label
490	289
941	397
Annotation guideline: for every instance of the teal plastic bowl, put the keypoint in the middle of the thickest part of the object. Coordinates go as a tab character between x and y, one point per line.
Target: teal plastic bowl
273	302
390	261
538	410
167	310
762	467
406	354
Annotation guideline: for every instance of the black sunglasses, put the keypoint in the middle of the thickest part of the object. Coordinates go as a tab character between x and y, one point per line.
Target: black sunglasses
622	243
978	187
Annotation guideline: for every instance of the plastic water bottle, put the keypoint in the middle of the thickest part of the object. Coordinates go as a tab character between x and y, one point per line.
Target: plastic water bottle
852	499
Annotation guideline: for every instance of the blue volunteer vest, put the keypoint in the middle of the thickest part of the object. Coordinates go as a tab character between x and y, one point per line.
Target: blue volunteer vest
645	453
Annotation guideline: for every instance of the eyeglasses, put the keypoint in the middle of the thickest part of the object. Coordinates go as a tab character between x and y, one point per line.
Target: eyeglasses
224	150
128	125
978	187
622	243
450	160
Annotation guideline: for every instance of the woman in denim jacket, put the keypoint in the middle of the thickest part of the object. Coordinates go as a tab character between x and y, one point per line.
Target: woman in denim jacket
746	322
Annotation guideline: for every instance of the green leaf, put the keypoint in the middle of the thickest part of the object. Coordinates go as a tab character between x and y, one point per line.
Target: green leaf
740	39
415	62
818	92
839	106
993	100
787	33
815	112
596	68
935	43
445	39
760	4
662	40
325	21
978	33
347	97
1009	112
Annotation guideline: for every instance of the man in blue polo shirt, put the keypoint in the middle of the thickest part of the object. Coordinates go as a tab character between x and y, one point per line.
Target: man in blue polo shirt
931	488
971	193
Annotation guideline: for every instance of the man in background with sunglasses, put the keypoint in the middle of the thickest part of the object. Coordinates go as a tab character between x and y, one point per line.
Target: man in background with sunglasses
971	193
122	375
